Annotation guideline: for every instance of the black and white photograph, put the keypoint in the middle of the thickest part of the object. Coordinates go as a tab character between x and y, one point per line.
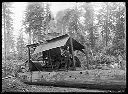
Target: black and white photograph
63	47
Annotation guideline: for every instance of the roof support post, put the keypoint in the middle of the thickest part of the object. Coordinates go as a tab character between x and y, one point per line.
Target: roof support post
43	56
61	56
49	58
74	65
29	61
29	57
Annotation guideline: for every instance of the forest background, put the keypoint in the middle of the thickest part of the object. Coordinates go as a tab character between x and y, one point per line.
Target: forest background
102	31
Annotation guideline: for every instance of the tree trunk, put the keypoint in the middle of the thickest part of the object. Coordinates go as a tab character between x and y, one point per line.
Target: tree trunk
34	38
74	65
29	37
87	57
38	38
4	37
125	26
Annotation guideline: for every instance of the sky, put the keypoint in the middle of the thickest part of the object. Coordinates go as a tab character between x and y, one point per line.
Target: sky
57	6
19	8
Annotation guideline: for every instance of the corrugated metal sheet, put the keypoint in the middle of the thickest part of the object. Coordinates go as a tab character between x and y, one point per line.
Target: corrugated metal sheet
51	45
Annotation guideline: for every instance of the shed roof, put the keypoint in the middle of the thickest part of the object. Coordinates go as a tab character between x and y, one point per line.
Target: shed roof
58	42
50	45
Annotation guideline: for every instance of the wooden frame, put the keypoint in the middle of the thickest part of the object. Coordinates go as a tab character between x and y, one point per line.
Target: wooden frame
72	53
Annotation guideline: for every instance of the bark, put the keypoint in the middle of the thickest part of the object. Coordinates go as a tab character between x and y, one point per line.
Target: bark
4	37
29	37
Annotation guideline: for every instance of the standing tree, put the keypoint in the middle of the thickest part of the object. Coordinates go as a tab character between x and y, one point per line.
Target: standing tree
34	16
8	28
111	20
108	20
47	18
89	31
70	23
120	29
37	18
103	22
89	25
120	39
59	24
8	35
20	47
